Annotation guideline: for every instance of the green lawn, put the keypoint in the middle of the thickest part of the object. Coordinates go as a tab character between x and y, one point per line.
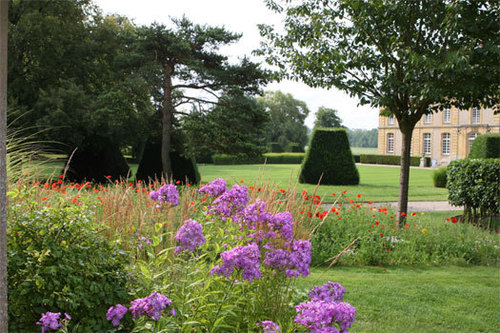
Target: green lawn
363	150
377	183
406	299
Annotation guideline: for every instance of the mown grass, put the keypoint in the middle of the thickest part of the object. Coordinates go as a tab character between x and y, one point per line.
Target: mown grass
363	150
418	299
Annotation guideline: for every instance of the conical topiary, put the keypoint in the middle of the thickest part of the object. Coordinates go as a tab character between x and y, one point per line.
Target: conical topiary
329	157
150	166
95	159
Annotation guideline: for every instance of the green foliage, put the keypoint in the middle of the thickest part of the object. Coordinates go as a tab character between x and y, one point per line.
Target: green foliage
275	147
486	146
268	158
391	160
150	166
287	116
423	240
293	147
439	177
58	261
95	159
326	117
363	138
474	184
329	158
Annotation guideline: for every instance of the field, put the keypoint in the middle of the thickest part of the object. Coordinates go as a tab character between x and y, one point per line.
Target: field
363	150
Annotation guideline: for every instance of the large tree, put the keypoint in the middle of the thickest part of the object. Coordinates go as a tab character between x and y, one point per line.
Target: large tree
186	60
287	117
408	57
3	166
326	117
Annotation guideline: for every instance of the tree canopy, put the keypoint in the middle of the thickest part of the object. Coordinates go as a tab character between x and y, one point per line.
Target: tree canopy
326	117
408	57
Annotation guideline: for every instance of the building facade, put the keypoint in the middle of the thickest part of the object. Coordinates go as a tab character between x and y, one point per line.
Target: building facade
443	136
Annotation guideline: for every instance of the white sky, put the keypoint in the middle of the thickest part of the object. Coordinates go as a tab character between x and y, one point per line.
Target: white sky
242	16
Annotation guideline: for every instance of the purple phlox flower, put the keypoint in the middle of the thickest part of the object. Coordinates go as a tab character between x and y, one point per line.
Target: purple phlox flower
283	222
215	188
269	327
246	258
143	241
166	194
50	321
231	202
255	217
328	292
153	305
115	314
190	235
254	214
293	262
318	315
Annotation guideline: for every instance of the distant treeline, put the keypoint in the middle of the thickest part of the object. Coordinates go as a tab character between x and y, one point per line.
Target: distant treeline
363	138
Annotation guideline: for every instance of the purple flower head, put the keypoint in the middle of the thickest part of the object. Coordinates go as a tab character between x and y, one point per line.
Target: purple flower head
190	235
254	214
320	315
269	327
166	194
50	321
246	258
328	292
215	188
153	305
283	222
231	202
293	262
115	314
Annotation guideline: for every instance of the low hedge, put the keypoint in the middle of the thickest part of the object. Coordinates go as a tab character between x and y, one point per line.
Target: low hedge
269	158
439	177
486	146
391	160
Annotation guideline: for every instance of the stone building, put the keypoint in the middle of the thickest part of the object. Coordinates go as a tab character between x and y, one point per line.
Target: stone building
443	136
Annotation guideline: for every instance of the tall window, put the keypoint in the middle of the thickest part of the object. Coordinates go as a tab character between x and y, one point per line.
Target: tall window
445	143
427	118
475	116
390	142
390	120
427	143
446	116
472	137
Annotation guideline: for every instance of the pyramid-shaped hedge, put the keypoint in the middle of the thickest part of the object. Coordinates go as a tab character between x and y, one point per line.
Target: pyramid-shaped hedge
150	166
329	155
96	158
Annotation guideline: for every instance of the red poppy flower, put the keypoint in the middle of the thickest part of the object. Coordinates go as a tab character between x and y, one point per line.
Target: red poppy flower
381	235
359	195
377	222
454	220
389	250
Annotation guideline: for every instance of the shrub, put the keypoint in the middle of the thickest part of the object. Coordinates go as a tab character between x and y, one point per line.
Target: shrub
439	177
151	167
486	146
269	158
58	261
474	184
293	147
391	160
96	158
275	147
329	157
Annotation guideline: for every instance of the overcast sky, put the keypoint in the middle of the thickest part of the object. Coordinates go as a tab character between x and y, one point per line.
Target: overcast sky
242	16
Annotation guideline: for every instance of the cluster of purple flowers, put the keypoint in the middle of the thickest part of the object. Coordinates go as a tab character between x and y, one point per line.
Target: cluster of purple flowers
293	262
231	202
50	321
246	258
215	188
190	235
143	241
269	327
152	306
324	311
255	217
166	194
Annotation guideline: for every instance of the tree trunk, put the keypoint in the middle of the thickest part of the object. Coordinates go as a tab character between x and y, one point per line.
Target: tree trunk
168	110
3	165
404	178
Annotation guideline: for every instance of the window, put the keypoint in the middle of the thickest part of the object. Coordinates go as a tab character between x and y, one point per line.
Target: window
390	142
445	144
427	143
475	116
472	137
446	116
427	118
390	120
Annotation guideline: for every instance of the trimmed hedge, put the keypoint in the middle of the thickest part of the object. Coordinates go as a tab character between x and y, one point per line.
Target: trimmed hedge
391	160
475	184
293	147
486	146
275	147
269	158
329	159
439	177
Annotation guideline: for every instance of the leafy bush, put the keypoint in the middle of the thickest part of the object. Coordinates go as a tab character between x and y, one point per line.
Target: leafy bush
486	146
329	158
391	160
293	147
439	177
474	184
96	158
58	261
275	147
